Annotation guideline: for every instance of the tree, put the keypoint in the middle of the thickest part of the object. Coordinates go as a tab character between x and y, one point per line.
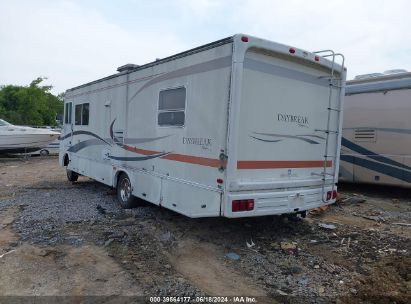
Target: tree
30	105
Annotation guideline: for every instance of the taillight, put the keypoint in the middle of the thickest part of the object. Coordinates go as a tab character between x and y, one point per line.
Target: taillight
242	205
292	50
331	195
244	39
317	58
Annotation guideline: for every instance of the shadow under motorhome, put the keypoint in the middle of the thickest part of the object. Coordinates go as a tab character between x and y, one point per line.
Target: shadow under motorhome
376	143
239	127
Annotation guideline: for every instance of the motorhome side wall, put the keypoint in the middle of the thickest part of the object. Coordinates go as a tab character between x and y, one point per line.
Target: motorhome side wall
177	165
376	137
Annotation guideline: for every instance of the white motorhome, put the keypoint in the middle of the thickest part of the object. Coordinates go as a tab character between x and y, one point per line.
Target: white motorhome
376	143
239	127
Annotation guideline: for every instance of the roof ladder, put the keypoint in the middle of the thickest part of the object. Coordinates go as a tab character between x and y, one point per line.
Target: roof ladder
334	82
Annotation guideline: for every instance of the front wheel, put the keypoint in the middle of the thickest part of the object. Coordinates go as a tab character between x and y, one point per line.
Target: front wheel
71	175
124	195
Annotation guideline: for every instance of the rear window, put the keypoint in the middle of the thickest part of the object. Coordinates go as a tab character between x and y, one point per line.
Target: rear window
171	107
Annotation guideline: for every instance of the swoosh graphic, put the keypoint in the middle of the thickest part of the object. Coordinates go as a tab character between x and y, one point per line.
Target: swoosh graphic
80	132
149	154
370	154
299	137
378	167
143	139
266	140
85	144
215	64
138	158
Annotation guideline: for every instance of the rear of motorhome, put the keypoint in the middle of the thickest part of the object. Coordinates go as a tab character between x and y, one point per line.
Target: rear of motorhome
376	143
239	127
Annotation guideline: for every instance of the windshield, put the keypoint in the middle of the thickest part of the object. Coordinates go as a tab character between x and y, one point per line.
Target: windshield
3	123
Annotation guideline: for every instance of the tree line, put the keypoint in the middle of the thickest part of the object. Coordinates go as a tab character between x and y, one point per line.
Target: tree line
32	105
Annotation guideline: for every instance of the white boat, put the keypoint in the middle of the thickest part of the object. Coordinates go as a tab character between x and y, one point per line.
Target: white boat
21	139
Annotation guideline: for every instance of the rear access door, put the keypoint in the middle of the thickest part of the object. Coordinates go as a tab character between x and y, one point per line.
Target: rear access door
281	132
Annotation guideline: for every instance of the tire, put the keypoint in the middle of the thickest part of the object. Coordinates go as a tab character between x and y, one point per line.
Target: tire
71	175
124	189
44	152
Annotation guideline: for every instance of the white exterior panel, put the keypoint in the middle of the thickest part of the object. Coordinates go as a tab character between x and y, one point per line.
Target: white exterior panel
192	168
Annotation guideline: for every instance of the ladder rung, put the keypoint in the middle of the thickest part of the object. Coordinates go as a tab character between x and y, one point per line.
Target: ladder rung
334	109
316	174
322	174
327	131
329	77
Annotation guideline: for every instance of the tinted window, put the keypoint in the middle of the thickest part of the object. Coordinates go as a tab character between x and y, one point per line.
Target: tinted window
85	114
67	114
171	107
173	99
82	114
171	119
77	115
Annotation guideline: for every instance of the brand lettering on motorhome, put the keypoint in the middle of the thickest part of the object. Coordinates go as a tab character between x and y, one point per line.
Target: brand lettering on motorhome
198	141
300	120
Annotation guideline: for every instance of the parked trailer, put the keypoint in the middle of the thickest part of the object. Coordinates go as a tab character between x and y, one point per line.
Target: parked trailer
236	128
376	143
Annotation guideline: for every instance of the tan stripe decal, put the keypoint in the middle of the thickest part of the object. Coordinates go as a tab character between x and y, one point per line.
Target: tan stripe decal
282	164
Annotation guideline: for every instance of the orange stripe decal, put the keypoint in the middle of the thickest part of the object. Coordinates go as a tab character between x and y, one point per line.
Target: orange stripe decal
196	160
139	151
203	161
282	164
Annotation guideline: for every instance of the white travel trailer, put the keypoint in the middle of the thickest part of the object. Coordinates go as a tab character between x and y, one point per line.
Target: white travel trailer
376	143
239	127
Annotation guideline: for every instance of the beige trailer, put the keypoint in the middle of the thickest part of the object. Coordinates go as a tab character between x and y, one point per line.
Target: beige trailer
376	143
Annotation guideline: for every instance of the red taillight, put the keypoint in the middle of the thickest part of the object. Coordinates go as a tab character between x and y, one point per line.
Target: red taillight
317	58
331	195
244	39
242	205
292	50
219	181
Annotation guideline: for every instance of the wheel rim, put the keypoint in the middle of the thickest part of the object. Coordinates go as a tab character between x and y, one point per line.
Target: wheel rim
125	190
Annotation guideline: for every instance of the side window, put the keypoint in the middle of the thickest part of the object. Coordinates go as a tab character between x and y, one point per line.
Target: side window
67	113
171	107
85	113
81	116
77	115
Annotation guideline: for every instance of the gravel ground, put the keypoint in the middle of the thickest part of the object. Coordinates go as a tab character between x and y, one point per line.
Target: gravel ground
165	254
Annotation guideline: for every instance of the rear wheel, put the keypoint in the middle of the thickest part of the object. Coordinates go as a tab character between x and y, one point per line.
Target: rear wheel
124	190
44	152
71	175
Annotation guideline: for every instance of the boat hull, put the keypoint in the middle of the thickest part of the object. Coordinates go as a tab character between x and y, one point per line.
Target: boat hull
25	143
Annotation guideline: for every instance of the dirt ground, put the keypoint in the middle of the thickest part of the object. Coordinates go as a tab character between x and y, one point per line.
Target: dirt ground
59	238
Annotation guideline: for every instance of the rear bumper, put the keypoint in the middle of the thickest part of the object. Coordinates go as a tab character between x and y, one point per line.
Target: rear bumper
277	202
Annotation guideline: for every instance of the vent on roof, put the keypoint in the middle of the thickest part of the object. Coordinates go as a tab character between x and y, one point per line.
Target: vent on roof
395	71
365	135
127	67
368	76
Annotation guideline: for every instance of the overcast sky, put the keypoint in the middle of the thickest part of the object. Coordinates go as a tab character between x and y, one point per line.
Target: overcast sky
73	42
